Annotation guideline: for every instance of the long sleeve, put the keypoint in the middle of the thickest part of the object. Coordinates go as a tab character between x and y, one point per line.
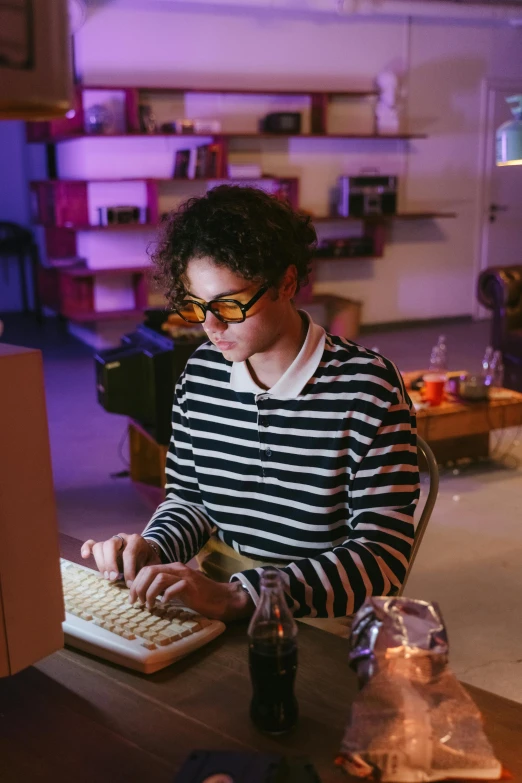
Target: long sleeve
180	525
384	491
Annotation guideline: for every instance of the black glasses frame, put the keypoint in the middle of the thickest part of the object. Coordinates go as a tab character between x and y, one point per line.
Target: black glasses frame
208	306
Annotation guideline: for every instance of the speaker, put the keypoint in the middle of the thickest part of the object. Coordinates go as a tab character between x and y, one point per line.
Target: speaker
31	600
367	194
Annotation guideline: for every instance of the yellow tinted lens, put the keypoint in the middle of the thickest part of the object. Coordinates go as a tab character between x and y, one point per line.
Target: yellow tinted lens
191	312
228	311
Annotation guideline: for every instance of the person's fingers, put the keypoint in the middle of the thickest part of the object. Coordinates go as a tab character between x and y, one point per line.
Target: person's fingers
111	554
160	583
174	590
140	585
97	553
86	550
133	557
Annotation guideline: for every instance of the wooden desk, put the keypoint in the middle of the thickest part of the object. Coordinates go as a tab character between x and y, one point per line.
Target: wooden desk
75	718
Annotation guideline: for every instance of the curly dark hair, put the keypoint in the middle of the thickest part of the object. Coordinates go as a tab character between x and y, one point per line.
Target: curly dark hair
243	228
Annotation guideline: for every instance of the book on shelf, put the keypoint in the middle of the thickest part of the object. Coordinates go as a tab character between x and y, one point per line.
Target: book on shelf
202	162
214	163
182	163
200	168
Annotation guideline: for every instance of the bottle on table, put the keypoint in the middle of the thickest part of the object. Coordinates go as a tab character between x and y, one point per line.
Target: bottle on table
273	658
486	366
435	379
439	356
496	368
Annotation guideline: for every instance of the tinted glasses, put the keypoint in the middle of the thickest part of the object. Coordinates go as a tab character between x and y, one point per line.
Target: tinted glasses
229	311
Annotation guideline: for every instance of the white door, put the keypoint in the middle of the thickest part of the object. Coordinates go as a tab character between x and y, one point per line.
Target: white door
501	231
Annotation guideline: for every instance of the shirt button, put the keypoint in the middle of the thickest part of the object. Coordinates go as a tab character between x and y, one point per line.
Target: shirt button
263	420
268	452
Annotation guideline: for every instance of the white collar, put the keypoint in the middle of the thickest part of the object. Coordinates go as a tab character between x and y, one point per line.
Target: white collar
295	378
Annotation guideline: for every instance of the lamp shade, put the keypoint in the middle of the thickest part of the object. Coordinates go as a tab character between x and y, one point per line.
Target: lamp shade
509	136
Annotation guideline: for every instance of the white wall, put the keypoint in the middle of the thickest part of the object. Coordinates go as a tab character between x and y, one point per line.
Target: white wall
428	268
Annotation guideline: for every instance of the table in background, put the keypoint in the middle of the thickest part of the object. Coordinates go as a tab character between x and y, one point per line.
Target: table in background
456	430
73	717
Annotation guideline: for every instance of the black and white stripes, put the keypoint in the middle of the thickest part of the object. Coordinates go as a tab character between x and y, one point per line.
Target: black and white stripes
325	483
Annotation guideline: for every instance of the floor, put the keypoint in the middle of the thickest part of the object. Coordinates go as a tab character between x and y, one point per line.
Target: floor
470	558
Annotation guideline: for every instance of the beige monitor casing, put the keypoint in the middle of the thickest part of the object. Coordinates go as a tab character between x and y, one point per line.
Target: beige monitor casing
31	601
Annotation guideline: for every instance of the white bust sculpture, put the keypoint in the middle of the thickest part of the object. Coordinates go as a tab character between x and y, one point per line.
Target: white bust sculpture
386	111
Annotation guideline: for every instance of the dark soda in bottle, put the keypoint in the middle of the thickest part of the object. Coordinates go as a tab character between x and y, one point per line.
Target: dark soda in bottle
273	658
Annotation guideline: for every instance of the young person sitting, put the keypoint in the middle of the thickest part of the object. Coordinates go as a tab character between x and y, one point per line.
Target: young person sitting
290	446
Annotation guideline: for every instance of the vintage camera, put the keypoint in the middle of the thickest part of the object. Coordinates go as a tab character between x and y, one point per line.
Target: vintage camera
282	122
120	216
367	194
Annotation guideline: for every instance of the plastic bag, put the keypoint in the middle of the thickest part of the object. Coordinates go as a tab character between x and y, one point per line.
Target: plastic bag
411	720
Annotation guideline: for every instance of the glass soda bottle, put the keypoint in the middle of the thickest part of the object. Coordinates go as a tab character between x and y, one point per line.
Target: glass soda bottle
439	356
273	658
497	370
486	366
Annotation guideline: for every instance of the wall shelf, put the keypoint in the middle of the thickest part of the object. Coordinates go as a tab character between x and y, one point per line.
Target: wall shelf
349	92
228	136
384	218
116	227
80	270
62	205
112	315
73	127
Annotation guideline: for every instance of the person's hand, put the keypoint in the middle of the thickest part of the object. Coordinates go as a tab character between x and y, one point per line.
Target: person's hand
174	580
122	555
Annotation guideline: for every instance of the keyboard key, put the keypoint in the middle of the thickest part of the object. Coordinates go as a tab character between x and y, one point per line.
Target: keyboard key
161	640
192	625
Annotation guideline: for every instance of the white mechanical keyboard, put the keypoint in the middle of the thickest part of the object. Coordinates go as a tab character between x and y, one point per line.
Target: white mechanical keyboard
100	621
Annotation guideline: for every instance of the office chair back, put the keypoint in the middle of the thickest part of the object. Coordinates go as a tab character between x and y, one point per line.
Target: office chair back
422	524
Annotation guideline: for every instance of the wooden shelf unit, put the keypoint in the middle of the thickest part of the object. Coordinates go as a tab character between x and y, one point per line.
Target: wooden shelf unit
61	205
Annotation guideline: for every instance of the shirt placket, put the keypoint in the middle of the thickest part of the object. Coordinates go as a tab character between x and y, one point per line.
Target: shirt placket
263	425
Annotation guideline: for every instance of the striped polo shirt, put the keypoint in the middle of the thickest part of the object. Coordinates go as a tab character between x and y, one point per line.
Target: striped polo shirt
318	474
